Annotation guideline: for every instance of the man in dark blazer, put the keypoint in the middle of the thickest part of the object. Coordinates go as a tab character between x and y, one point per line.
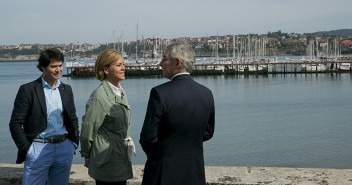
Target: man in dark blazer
44	125
180	117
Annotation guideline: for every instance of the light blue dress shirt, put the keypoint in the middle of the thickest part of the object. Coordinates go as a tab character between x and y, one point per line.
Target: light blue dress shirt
55	125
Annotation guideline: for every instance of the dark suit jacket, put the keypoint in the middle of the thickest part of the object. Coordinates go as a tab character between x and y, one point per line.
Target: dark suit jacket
180	116
29	115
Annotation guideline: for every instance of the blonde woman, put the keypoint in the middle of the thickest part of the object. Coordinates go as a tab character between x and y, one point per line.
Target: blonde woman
105	140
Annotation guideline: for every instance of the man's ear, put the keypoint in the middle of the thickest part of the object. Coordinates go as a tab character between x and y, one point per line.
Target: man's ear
178	62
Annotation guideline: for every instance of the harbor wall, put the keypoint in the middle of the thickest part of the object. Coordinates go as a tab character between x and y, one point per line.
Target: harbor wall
10	174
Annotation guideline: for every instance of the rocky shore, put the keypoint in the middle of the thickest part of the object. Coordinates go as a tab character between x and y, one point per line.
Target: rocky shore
10	174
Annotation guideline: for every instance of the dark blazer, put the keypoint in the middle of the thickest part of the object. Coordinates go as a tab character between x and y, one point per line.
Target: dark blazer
29	115
180	116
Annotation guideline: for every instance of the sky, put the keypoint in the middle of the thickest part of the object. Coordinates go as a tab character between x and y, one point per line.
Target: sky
102	21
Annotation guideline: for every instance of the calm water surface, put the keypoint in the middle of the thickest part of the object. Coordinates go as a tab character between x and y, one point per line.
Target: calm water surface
282	121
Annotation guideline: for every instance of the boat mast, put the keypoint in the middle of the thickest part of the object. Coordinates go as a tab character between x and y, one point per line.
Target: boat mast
120	40
137	44
233	47
113	38
217	48
316	50
143	48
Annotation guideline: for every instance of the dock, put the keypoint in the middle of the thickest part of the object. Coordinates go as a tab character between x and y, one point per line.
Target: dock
225	68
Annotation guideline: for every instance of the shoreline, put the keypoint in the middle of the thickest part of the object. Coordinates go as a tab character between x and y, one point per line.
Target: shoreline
17	60
215	175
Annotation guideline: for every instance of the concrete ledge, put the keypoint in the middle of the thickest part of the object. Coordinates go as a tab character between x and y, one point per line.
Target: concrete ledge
10	174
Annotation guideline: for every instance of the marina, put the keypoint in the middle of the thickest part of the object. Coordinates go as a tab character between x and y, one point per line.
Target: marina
249	57
224	67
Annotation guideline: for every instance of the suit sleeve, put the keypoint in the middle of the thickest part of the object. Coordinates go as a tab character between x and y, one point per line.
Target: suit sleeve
18	118
209	130
149	133
73	115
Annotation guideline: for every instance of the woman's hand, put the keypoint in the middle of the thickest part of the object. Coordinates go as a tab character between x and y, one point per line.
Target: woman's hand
86	163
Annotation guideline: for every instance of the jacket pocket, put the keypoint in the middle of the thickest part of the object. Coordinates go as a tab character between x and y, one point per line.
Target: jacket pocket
101	151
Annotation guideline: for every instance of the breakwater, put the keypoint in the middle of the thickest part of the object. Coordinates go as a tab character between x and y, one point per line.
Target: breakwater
10	174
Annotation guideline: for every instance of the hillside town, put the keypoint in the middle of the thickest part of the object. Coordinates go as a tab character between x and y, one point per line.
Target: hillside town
270	44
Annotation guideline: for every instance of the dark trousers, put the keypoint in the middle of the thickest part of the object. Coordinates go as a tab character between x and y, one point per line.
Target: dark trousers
97	182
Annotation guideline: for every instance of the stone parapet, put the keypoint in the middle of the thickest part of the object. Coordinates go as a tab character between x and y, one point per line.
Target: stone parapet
10	174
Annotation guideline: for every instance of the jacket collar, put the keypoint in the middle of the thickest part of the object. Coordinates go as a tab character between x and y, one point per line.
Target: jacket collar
181	76
113	97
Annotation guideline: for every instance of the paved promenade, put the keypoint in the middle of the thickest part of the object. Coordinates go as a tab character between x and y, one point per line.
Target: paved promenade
10	174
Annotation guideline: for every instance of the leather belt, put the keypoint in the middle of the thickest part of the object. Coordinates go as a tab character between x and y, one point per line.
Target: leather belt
50	140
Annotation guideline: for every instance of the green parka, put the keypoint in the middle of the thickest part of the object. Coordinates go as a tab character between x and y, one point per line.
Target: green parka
105	128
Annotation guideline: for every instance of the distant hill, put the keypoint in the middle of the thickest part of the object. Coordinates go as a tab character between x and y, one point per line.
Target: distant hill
340	32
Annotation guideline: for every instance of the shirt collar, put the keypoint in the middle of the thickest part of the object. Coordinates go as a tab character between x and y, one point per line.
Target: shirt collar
184	73
116	90
46	85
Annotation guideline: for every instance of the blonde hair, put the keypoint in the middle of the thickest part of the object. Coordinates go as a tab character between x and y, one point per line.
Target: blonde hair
105	59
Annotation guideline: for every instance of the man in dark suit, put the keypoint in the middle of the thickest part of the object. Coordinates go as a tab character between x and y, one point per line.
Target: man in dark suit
44	125
180	117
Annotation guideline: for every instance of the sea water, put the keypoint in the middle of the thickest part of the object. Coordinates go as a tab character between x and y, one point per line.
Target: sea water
301	120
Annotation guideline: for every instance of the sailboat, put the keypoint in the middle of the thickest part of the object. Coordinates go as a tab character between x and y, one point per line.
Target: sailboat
311	65
124	54
137	45
251	51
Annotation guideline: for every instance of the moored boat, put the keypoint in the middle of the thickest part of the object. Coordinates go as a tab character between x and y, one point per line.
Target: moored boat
344	67
313	67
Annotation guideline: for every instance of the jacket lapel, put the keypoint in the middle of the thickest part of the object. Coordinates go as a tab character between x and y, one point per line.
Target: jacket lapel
63	96
123	100
40	95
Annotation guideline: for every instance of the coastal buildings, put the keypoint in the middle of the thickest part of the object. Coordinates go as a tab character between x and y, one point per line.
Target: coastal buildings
277	44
